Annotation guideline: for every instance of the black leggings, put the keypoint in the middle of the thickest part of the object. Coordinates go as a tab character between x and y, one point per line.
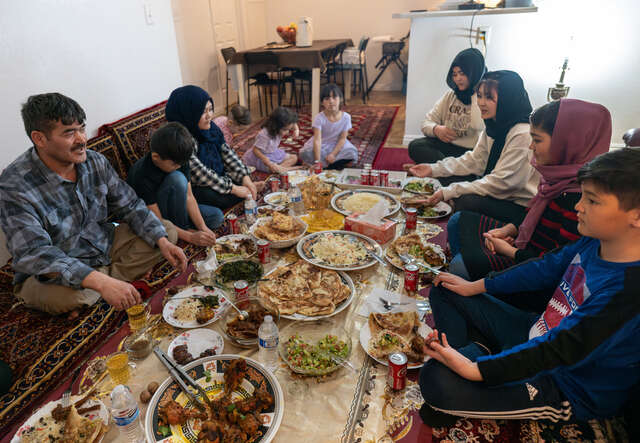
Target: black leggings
207	196
339	164
432	149
503	210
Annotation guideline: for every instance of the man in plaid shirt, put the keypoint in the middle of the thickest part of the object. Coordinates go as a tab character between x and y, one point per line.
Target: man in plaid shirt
55	203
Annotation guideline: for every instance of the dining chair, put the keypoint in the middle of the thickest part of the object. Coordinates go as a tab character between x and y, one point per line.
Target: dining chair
359	69
260	65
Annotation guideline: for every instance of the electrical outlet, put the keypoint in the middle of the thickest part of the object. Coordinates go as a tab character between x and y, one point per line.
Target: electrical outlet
484	32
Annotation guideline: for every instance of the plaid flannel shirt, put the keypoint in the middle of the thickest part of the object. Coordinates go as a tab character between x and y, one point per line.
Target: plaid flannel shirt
234	170
57	226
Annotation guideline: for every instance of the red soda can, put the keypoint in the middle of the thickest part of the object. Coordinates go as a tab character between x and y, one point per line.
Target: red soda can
242	292
274	182
397	375
317	167
411	277
364	177
284	179
384	178
412	219
375	178
263	251
233	224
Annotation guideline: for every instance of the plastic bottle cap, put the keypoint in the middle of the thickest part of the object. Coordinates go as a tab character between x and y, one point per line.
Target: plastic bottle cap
268	318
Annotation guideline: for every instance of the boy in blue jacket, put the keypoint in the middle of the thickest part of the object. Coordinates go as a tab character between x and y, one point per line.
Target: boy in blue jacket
580	356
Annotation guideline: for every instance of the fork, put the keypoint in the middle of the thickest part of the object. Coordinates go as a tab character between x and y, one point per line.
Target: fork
389	305
408	259
66	398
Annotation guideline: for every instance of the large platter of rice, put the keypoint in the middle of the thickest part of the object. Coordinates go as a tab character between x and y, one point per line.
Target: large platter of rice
360	201
338	250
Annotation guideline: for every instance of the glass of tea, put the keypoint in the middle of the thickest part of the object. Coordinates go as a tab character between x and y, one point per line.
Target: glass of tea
137	316
118	367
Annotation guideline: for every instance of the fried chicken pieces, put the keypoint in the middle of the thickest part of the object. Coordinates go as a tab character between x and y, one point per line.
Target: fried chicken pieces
305	289
225	421
279	228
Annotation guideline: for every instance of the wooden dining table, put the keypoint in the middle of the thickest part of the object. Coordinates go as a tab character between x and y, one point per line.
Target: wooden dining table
309	58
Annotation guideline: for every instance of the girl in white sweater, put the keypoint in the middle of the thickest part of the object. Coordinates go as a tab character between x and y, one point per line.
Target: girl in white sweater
496	177
452	127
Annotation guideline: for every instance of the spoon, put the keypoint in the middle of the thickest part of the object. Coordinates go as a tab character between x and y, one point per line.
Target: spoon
243	314
408	259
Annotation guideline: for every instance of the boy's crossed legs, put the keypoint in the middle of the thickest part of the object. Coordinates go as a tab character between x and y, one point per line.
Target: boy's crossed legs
501	326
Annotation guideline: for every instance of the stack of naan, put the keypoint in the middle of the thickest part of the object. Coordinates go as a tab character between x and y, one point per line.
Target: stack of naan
314	192
304	289
395	332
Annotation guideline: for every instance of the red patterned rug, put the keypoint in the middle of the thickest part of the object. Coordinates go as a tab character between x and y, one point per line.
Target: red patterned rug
391	159
371	125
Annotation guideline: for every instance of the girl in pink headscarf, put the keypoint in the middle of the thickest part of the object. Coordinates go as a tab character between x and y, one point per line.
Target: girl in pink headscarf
565	135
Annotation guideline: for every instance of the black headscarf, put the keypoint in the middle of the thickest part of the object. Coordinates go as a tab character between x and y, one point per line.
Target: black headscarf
186	105
471	62
513	107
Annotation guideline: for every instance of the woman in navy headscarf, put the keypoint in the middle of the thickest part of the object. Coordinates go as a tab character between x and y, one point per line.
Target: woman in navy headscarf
454	124
218	176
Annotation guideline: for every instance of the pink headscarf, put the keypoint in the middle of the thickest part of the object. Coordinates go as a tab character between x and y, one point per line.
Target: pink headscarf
582	132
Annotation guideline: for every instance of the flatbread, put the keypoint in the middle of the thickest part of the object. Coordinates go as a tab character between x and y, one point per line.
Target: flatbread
401	323
305	289
78	429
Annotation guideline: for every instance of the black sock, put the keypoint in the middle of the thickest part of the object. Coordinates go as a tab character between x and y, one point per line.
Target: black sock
436	419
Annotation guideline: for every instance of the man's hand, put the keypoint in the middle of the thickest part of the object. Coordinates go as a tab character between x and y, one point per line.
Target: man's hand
204	237
459	285
241	191
421	170
445	134
331	158
173	254
435	198
119	294
451	358
248	183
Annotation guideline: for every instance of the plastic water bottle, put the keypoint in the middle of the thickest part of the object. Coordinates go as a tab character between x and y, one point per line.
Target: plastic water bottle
126	414
250	210
268	342
295	197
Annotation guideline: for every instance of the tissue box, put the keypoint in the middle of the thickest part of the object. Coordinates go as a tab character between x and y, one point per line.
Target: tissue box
380	233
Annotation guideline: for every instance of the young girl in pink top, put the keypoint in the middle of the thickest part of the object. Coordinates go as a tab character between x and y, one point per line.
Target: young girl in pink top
266	154
329	143
239	117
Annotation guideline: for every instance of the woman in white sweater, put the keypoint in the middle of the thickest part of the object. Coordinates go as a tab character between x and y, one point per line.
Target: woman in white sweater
452	127
500	162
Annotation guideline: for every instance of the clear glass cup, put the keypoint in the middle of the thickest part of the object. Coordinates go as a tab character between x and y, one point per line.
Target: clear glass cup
137	316
118	368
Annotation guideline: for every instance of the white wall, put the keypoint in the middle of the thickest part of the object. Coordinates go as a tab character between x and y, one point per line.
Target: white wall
604	58
101	53
351	19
